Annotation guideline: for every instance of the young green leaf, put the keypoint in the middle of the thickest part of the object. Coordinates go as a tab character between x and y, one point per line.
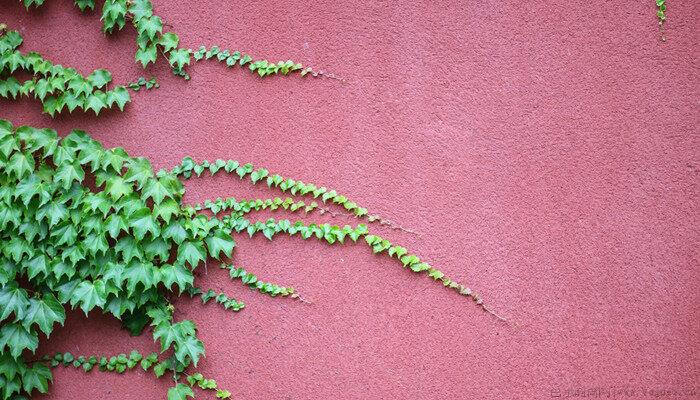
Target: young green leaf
180	392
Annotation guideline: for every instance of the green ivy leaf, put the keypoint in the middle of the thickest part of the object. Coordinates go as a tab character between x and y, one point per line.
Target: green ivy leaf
20	164
435	274
17	339
142	222
96	102
169	41
191	252
72	101
113	15
189	348
147	55
119	96
176	274
140	9
180	392
89	295
99	78
139	170
37	377
11	367
117	187
169	334
179	58
13	299
85	4
114	159
219	242
139	272
150	26
157	248
44	313
95	243
160	369
159	189
115	224
175	231
166	210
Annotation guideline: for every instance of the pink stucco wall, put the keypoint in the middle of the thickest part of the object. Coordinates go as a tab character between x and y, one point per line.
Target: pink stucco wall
546	153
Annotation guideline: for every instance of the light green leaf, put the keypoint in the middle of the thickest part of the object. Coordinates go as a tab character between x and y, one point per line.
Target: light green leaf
192	253
190	347
219	242
176	274
170	334
150	26
67	173
119	96
147	55
139	170
159	189
139	272
142	222
175	231
115	224
180	392
179	58
140	9
20	164
169	41
117	187
99	78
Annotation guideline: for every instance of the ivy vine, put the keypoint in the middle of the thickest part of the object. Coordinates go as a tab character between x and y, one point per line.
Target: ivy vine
661	14
60	88
86	227
91	228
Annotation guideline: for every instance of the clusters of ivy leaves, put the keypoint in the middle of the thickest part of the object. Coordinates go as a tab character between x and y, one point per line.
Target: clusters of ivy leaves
86	227
661	11
118	364
91	228
60	88
57	87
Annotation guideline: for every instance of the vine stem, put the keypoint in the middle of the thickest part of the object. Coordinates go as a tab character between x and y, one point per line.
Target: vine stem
488	310
328	75
382	221
297	296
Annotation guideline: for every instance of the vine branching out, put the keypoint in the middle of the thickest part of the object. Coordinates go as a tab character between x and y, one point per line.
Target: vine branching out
60	88
124	244
86	227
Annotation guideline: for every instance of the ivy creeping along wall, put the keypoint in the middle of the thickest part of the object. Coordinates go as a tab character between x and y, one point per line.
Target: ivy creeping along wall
92	228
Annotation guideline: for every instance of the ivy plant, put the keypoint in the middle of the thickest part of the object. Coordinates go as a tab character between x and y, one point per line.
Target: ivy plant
661	14
60	88
95	229
125	244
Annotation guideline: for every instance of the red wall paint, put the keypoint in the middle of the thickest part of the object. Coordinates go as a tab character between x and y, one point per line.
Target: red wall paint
546	154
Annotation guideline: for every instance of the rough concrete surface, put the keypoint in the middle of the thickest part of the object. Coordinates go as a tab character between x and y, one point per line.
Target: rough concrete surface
546	153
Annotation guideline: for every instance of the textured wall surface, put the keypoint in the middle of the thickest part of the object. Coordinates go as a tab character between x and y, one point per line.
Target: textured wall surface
546	154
